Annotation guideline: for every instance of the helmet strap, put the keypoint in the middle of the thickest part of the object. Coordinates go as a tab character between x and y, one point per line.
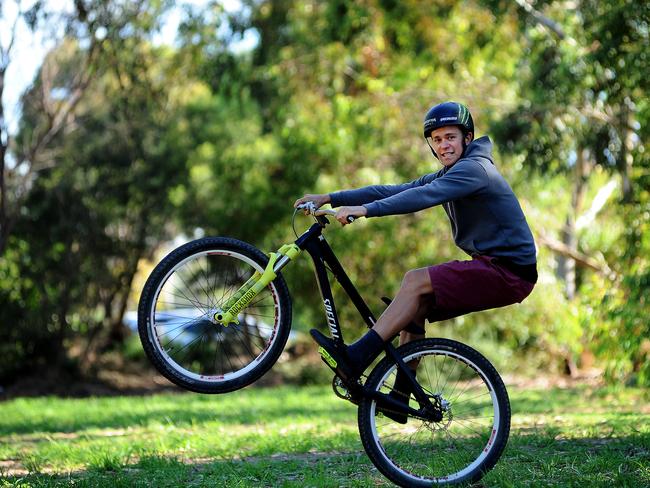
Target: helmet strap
432	151
465	144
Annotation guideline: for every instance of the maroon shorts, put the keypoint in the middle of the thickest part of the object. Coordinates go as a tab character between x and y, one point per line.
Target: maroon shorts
461	287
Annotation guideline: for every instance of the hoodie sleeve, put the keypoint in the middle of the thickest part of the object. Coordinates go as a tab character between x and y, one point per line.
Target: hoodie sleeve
372	193
463	179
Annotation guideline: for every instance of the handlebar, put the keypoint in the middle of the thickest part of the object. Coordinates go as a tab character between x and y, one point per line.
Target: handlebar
311	208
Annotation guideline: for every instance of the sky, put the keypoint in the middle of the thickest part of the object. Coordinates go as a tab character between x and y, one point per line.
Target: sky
26	55
30	48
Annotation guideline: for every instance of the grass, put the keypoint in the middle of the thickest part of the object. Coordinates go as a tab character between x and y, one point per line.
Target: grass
292	436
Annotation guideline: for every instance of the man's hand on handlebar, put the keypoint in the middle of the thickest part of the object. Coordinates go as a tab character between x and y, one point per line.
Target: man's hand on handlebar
317	199
309	203
344	213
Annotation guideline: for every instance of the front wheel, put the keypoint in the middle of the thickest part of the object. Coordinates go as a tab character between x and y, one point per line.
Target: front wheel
461	446
176	317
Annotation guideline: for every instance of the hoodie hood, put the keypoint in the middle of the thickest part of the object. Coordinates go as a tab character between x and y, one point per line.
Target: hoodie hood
479	148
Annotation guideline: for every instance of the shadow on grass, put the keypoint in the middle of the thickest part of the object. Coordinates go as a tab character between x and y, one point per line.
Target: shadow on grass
255	405
246	407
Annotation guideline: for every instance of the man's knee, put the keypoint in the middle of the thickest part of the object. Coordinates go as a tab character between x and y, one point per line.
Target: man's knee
417	281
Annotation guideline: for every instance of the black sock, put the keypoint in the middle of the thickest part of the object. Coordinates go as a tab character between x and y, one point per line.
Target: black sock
365	350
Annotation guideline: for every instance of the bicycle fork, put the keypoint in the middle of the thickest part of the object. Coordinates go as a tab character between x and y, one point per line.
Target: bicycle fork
248	291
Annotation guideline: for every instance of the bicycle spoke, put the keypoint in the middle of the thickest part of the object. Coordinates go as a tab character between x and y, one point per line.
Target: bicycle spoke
199	274
228	288
196	302
181	326
242	339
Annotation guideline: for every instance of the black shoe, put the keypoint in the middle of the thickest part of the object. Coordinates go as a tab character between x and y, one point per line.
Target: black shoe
354	396
401	392
335	357
400	418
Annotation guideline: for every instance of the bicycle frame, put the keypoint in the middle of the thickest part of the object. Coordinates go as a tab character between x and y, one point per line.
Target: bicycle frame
323	257
321	253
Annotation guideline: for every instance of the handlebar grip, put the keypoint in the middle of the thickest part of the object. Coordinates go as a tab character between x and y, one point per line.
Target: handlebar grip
324	211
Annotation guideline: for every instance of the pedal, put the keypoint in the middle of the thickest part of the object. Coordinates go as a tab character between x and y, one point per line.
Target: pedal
345	391
340	389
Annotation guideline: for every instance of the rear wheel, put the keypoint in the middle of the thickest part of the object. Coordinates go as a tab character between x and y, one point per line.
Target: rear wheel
469	396
176	317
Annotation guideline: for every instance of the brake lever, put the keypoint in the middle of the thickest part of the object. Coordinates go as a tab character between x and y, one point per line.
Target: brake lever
319	212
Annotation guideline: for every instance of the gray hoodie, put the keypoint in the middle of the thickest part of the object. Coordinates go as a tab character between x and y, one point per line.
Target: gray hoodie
486	218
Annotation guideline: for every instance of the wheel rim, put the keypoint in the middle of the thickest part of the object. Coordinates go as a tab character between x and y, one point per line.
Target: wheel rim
446	451
181	321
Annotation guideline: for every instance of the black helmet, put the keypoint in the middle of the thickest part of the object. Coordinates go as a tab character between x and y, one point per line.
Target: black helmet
448	113
444	114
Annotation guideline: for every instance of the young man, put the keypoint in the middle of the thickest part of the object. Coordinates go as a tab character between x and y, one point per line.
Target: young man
486	221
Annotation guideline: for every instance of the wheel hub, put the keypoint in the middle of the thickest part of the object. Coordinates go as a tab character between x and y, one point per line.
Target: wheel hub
217	317
437	409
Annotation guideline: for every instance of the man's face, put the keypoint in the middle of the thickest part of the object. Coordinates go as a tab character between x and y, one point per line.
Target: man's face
447	142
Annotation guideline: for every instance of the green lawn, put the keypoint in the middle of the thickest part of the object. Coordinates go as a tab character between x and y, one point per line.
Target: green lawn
300	437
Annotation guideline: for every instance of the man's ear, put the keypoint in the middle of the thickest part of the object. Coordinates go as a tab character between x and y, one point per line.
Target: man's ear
469	137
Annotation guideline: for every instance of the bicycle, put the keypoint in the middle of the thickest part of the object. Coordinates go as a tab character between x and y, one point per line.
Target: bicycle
215	315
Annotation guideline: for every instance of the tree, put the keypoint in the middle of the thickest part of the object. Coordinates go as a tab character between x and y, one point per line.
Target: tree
585	95
103	198
59	94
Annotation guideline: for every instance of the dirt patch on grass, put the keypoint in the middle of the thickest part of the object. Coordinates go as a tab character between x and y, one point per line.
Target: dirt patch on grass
103	383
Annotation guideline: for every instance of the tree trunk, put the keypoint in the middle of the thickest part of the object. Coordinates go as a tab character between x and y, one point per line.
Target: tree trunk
626	159
566	264
4	145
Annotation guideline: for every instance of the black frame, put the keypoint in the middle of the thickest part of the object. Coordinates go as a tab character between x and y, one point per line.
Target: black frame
323	256
313	241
